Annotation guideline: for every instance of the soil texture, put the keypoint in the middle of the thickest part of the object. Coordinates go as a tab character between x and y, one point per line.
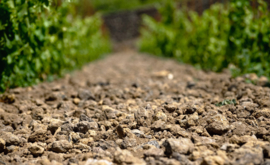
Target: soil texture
137	109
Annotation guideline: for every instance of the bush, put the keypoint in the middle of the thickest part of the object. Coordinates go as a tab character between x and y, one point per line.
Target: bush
38	40
235	34
109	6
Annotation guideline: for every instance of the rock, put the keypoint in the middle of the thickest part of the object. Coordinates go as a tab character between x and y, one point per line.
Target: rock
38	135
109	112
125	157
86	141
266	151
11	139
170	107
75	137
83	117
160	116
10	119
8	98
213	160
2	144
51	97
120	131
82	146
248	154
181	158
157	125
240	129
161	74
69	127
153	152
55	157
180	145
85	95
92	133
36	150
217	124
54	125
267	162
91	161
137	132
39	102
154	143
61	146
85	126
265	112
128	142
12	148
76	101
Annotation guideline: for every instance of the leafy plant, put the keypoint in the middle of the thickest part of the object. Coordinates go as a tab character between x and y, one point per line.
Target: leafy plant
232	34
109	6
39	40
226	102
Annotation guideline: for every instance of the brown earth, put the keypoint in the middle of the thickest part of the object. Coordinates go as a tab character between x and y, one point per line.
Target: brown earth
137	109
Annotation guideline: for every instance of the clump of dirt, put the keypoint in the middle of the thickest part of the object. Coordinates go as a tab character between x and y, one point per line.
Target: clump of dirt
137	109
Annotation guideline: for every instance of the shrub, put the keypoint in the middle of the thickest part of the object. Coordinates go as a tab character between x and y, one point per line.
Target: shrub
39	40
235	34
109	6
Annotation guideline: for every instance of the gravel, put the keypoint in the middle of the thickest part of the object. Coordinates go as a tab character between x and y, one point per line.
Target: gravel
137	109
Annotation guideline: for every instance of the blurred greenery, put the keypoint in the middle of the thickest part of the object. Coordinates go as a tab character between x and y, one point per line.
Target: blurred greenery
39	40
109	6
233	34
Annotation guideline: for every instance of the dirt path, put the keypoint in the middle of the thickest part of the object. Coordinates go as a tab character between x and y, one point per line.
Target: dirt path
136	109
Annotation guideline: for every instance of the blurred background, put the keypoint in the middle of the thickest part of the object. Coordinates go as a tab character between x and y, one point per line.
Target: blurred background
41	40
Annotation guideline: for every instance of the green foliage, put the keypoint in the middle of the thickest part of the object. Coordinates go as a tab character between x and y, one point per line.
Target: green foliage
232	34
109	6
226	102
39	40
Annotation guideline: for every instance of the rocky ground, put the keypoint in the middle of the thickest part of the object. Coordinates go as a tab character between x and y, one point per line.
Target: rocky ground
137	109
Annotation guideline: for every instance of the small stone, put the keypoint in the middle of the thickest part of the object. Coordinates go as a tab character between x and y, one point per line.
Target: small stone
39	102
51	97
61	146
218	124
248	155
157	125
92	133
153	152
86	141
253	76
154	143
67	127
120	131
160	116
91	161
84	126
36	150
76	101
12	148
265	112
85	95
54	125
11	139
180	145
125	157
181	158
128	142
83	117
75	137
170	107
8	98
161	74
213	160
2	144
